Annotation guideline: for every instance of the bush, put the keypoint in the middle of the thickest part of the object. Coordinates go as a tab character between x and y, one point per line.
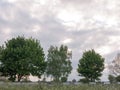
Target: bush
118	78
112	79
84	80
73	80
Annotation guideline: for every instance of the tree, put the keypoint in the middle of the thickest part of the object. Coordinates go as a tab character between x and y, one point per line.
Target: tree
21	57
84	80
114	67
118	78
112	79
1	49
74	81
58	62
91	65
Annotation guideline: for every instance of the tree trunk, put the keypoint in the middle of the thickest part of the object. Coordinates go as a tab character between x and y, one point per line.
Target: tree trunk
19	77
56	79
12	78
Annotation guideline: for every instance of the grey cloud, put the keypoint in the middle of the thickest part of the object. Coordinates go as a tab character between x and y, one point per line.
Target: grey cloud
18	17
78	1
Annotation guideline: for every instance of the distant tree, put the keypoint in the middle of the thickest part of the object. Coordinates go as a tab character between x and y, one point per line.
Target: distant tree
74	80
58	62
91	65
21	57
112	78
114	67
118	78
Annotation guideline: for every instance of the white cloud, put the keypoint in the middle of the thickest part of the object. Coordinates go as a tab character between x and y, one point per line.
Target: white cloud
74	75
11	1
104	50
81	24
68	15
7	31
67	41
36	28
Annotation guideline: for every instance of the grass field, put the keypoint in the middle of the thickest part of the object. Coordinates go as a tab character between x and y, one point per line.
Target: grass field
10	86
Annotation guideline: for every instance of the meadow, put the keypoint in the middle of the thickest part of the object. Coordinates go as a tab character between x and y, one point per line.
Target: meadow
10	86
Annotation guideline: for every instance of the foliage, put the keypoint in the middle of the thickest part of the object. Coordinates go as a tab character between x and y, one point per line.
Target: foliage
84	80
74	80
1	49
58	62
112	79
63	79
21	57
118	78
91	65
114	66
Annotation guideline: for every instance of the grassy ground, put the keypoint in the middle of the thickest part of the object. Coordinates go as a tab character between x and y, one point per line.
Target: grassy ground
57	87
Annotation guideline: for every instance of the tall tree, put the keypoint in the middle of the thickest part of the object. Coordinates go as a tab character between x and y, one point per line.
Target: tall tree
91	65
1	49
21	57
58	62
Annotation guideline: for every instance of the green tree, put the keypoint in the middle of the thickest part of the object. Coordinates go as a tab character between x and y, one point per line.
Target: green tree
118	78
1	49
21	57
58	62
74	81
91	65
112	78
84	80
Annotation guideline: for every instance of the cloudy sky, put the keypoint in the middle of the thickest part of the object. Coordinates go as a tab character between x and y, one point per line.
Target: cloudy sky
79	24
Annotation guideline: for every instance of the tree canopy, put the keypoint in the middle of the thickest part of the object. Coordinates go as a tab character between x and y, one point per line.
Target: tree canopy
21	57
58	62
91	65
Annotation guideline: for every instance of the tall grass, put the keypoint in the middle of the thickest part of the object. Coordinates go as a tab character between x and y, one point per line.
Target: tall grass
10	86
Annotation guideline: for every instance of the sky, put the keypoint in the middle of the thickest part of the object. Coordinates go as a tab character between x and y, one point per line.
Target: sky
79	24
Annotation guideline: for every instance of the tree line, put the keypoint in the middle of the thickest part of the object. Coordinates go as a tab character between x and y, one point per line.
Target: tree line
114	69
21	57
